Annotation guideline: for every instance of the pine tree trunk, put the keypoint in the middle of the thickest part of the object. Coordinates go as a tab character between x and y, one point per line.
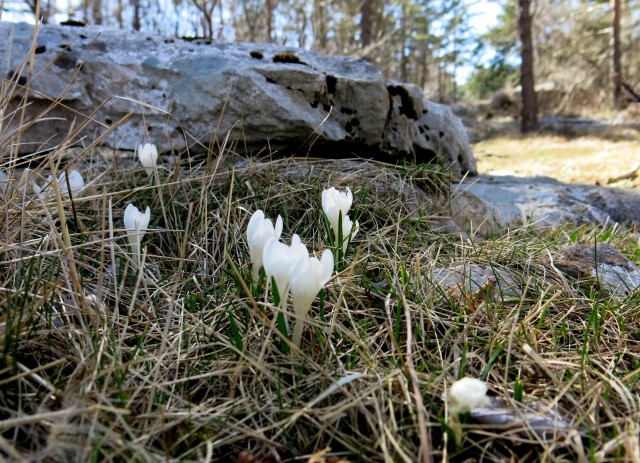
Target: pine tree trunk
616	55
268	12
319	25
529	103
136	15
366	23
97	12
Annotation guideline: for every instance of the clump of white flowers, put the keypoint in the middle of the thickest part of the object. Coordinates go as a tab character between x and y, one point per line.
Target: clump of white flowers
135	224
148	155
290	268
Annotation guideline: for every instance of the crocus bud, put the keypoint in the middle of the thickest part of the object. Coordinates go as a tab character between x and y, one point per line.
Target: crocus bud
148	154
466	394
334	204
135	224
349	230
76	182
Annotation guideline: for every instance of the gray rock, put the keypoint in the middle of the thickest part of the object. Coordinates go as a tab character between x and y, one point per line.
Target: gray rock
179	93
493	204
602	263
579	263
478	281
545	421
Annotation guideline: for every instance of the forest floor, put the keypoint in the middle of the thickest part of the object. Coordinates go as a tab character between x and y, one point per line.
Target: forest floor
589	159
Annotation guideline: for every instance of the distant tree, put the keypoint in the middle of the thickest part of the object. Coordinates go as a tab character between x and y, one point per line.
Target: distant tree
44	10
136	15
206	9
487	79
529	121
616	54
370	23
268	16
319	22
366	22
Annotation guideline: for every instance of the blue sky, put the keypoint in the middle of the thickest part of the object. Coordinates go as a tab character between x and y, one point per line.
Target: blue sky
483	14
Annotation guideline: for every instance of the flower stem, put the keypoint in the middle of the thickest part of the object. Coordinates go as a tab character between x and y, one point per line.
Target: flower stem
296	338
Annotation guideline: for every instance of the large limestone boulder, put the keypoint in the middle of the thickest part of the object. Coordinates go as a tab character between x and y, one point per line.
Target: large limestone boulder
180	93
490	204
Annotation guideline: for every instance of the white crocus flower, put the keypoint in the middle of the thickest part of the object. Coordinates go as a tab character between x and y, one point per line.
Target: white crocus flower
278	258
306	277
148	155
467	394
335	202
76	182
135	224
259	231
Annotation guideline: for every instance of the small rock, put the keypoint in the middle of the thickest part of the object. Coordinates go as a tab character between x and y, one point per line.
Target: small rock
602	263
490	205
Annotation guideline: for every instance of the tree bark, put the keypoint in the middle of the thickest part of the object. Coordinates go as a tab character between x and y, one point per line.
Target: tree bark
97	12
268	12
366	23
44	10
529	104
616	54
319	25
136	15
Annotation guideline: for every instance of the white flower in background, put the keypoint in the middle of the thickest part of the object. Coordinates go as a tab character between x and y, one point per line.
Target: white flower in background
259	231
306	278
76	182
148	154
466	394
278	258
336	204
135	224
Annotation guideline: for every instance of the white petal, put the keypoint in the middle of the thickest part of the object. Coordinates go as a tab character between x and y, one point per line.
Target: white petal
276	263
131	213
148	154
144	224
327	265
75	180
278	229
255	225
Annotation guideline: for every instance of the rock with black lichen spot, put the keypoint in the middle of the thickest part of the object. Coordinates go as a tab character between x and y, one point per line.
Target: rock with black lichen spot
295	101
